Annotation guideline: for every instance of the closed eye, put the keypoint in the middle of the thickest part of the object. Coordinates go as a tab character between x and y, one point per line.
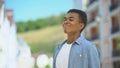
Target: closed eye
71	19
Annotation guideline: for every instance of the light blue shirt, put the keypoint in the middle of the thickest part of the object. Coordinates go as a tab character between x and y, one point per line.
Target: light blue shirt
83	54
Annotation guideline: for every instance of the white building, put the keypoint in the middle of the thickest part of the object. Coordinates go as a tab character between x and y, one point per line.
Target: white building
8	38
24	57
13	52
104	29
2	59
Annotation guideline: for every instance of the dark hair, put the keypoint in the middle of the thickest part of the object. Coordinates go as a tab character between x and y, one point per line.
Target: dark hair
82	16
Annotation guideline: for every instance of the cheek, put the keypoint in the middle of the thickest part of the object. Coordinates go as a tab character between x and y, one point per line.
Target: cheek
77	27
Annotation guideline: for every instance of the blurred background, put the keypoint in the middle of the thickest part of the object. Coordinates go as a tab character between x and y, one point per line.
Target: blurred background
30	30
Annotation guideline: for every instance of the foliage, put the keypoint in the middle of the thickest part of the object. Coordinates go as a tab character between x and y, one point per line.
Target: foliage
118	43
47	66
39	23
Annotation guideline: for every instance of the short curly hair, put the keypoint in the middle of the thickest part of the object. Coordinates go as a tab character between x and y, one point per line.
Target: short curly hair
82	16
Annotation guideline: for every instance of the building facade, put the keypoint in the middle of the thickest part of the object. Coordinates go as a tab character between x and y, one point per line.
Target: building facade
14	52
103	29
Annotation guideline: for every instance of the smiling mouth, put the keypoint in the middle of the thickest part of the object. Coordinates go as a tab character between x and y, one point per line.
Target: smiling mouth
67	25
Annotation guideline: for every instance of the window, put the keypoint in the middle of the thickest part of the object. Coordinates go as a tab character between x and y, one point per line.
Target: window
115	25
116	64
94	33
114	4
116	49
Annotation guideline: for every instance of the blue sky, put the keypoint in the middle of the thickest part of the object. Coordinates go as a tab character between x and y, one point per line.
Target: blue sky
34	9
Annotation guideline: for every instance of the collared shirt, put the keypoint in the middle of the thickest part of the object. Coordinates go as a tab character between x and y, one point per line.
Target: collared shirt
83	54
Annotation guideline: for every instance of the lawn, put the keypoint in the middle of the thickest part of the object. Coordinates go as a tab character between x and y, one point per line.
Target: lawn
44	40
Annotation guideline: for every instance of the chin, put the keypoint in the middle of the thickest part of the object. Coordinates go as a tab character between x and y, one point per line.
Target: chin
66	32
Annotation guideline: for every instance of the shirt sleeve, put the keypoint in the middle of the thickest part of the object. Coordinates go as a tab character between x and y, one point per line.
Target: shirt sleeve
55	49
93	57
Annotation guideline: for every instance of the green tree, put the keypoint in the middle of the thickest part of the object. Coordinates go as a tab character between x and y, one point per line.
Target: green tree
39	23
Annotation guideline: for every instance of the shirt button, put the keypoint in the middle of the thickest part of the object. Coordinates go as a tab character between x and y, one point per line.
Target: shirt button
80	55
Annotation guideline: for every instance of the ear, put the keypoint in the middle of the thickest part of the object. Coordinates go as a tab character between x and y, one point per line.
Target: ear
81	26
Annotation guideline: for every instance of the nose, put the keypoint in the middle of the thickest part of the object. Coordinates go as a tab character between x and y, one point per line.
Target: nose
66	21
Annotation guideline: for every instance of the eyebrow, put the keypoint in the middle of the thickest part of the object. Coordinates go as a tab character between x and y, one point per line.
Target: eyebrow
68	17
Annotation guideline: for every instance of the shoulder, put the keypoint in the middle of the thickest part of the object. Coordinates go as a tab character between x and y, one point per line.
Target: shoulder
89	45
87	42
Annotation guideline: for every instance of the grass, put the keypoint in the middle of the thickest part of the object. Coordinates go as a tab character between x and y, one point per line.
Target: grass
44	40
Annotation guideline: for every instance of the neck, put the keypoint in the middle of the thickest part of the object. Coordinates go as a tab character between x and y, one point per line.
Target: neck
72	37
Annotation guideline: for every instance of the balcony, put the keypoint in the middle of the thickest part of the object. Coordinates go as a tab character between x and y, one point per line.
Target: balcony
91	20
94	37
115	29
116	47
91	2
94	33
116	64
114	5
116	53
93	16
115	24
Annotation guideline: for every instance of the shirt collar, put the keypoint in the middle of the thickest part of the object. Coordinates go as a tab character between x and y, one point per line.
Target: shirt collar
80	40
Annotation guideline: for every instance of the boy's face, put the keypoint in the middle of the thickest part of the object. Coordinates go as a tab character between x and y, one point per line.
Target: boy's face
72	23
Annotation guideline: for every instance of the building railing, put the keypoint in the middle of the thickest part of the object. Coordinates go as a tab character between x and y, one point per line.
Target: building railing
116	53
116	64
94	37
94	18
114	6
115	29
90	2
91	20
